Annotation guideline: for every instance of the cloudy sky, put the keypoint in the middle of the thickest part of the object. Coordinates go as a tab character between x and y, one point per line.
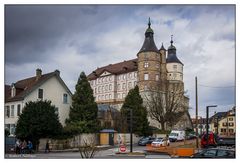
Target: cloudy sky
75	38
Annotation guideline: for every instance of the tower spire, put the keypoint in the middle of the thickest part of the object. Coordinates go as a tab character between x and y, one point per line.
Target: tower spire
171	40
149	22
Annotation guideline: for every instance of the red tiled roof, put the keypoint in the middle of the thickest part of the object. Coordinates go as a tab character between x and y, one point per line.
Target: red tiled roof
118	68
25	86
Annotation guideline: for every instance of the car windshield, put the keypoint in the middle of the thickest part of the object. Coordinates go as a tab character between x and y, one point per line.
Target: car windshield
173	134
145	139
158	140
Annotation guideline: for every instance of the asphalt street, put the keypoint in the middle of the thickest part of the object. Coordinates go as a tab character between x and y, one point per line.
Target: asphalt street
101	154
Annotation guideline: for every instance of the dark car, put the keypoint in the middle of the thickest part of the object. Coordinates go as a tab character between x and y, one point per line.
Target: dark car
215	153
145	140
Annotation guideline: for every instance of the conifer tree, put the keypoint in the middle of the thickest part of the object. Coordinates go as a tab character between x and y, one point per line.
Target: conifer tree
134	102
38	120
83	112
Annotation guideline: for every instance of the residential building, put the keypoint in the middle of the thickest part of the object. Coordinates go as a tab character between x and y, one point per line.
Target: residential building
224	123
201	125
48	86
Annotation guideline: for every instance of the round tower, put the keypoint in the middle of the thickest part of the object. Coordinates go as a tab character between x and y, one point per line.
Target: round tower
174	65
148	62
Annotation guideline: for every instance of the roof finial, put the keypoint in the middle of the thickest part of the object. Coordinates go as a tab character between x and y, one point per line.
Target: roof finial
171	39
149	22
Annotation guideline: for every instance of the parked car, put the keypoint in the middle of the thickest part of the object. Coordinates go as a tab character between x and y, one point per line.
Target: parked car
159	142
145	140
191	136
215	153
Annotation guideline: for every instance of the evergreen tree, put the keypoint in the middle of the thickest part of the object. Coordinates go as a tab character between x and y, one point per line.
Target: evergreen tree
38	120
134	102
84	110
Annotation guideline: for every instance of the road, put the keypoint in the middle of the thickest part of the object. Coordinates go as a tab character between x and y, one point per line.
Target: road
102	154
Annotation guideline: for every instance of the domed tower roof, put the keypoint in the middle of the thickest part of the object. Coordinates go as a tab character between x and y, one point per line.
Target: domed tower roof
149	44
162	47
172	56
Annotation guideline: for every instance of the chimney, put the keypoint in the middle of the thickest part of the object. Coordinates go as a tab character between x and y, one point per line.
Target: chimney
13	90
38	73
57	72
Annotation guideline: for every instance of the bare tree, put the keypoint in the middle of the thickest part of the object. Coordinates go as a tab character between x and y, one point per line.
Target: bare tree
165	103
89	148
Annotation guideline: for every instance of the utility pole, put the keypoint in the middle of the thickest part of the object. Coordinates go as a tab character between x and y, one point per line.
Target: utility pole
131	125
207	112
196	112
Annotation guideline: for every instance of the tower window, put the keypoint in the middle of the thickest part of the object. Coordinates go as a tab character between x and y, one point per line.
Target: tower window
157	77
175	67
110	87
146	76
157	65
146	64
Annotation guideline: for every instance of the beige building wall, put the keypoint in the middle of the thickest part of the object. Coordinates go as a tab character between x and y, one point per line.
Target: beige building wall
52	90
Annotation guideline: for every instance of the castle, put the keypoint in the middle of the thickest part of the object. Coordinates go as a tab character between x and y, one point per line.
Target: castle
152	68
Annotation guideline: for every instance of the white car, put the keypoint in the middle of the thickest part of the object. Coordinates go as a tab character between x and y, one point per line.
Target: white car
159	142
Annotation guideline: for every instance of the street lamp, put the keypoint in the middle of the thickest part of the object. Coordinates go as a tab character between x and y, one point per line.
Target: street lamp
207	111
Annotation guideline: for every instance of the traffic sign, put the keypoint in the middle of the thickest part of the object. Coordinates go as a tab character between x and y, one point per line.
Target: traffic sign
122	148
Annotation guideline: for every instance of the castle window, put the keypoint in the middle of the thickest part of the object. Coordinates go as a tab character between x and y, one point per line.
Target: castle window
99	89
123	95
106	97
110	96
102	97
124	77
119	95
135	83
110	87
157	65
124	86
175	67
146	64
146	76
130	75
118	87
99	97
119	77
129	85
102	89
145	87
110	78
106	87
157	77
135	74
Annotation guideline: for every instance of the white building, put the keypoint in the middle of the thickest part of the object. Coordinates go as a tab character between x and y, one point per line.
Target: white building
48	86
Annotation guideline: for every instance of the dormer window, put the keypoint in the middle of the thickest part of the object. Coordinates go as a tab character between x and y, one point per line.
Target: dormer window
40	94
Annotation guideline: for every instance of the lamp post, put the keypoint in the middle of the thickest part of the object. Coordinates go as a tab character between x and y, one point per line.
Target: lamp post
207	112
131	121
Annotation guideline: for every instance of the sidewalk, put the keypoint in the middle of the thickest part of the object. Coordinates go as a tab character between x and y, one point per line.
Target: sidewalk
100	147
